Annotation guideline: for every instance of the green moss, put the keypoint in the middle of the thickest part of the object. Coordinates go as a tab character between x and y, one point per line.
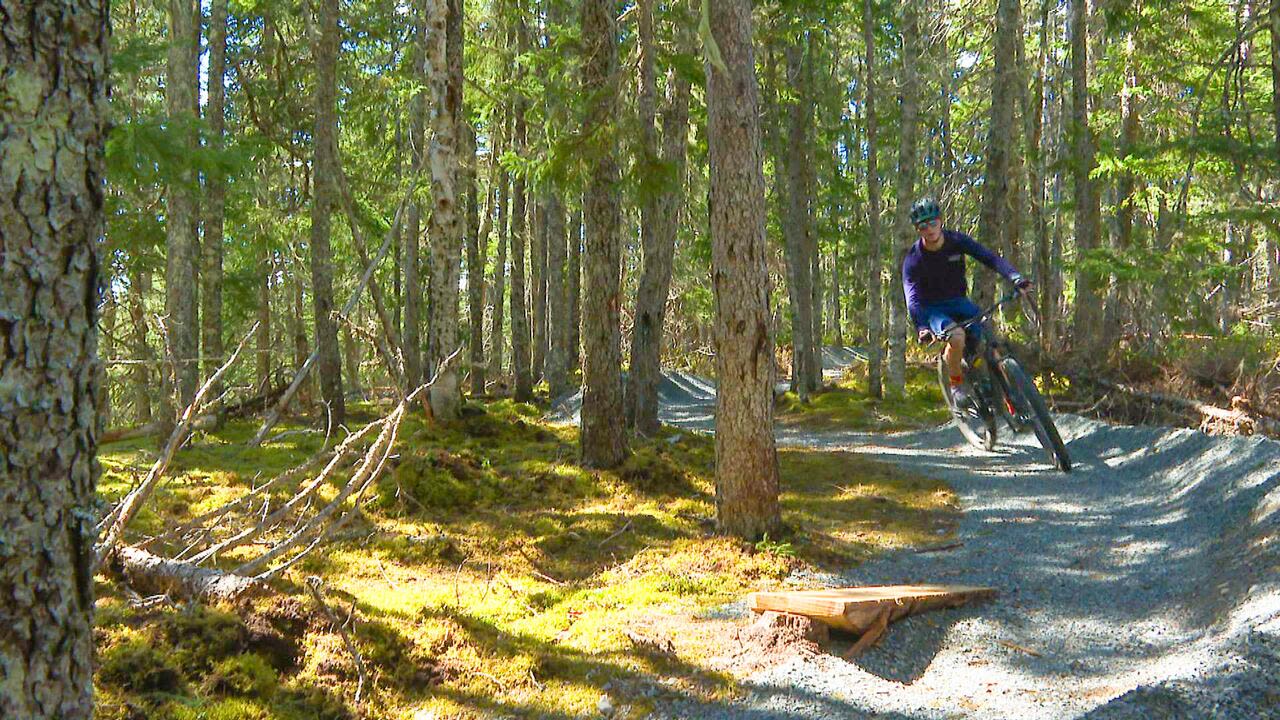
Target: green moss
305	701
439	480
847	406
249	675
200	636
135	665
651	470
222	709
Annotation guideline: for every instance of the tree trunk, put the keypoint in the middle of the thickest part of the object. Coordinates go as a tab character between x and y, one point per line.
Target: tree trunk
443	54
905	195
575	287
140	282
298	331
264	321
325	172
604	440
1034	131
746	456
352	361
557	320
411	346
812	244
499	276
797	230
216	189
180	241
1272	248
538	280
1125	189
661	220
1088	304
997	184
477	258
875	275
520	339
51	218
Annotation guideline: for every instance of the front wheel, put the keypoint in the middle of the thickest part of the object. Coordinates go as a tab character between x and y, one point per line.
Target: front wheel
1028	398
978	428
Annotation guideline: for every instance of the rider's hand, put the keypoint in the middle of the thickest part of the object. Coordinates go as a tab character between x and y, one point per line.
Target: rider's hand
924	335
1022	284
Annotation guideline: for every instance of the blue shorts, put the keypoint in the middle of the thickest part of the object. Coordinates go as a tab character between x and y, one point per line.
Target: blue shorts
945	313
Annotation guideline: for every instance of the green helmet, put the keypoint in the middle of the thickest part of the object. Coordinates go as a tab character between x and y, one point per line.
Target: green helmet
924	210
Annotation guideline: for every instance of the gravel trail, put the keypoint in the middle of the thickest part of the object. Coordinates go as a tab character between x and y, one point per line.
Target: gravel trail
1146	584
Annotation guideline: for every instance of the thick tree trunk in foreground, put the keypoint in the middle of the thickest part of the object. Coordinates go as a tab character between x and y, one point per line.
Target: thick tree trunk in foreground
1272	247
604	440
322	203
746	457
446	223
875	275
1086	323
52	133
180	240
904	233
216	191
655	278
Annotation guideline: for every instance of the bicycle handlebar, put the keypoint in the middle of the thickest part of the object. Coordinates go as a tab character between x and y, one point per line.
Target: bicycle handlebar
979	318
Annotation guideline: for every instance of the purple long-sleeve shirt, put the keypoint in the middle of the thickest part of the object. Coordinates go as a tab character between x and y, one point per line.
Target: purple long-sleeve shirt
930	276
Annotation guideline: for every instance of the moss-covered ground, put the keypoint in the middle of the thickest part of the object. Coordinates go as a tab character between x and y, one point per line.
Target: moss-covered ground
488	575
845	405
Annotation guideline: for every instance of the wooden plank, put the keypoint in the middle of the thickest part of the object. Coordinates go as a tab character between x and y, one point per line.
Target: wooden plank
857	609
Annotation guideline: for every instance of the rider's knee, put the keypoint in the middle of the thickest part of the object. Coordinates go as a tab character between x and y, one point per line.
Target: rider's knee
957	338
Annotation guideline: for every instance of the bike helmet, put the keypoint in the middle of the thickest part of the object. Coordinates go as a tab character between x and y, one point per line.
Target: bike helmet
924	210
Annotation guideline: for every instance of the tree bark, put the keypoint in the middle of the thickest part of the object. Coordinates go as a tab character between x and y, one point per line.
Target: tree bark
538	279
477	258
52	133
662	221
797	230
263	349
520	338
604	440
905	195
215	194
324	196
413	296
575	287
180	240
997	185
499	276
746	456
298	332
1086	323
875	275
1272	247
1036	187
444	54
140	282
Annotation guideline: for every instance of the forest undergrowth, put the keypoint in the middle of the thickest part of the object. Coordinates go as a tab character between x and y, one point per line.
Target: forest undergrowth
486	575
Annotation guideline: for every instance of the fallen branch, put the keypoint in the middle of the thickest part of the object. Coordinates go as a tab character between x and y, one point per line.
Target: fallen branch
1242	420
162	576
124	512
273	417
313	584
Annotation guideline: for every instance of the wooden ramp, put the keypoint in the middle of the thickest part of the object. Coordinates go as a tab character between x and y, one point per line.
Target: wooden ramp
860	609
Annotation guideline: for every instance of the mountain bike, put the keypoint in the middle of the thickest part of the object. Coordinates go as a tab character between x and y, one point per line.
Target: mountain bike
1001	390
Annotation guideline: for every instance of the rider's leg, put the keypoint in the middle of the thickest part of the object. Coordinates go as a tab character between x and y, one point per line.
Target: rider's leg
954	353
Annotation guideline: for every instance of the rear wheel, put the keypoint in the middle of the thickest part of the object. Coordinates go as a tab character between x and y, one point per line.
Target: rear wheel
1025	395
978	428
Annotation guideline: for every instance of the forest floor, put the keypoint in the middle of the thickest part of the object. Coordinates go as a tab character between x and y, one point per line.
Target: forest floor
489	576
1144	584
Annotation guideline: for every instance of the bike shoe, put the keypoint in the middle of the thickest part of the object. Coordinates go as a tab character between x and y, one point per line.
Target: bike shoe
960	396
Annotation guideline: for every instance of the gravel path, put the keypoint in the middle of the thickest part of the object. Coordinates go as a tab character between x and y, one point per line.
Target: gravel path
1146	584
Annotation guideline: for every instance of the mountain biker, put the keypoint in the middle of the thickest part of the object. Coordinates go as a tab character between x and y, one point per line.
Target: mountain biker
937	293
